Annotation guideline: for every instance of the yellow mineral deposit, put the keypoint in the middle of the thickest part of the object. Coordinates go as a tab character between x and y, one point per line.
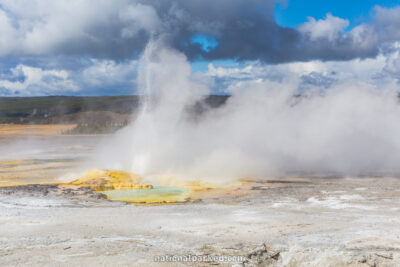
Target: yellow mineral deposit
196	186
16	129
10	163
103	180
126	186
23	172
119	185
199	190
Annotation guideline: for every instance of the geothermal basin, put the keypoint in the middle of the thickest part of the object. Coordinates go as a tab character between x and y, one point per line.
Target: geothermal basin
274	221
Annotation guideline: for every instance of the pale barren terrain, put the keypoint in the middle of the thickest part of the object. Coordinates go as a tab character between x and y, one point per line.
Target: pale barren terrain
282	221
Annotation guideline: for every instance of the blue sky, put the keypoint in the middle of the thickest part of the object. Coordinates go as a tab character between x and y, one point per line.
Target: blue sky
45	52
295	12
292	13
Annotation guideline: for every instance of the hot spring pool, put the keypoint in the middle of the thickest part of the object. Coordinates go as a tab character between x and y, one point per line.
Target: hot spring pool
155	195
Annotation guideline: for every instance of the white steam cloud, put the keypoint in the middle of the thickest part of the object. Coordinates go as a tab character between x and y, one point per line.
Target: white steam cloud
263	129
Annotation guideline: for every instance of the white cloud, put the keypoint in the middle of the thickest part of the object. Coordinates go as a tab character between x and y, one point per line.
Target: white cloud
139	17
7	33
389	21
392	66
111	75
108	72
121	28
362	69
98	77
372	71
39	27
101	29
330	28
28	80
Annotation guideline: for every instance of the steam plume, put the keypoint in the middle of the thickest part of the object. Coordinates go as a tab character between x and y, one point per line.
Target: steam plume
263	130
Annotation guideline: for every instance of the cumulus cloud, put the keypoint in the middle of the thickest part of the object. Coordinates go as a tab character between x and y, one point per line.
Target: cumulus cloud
26	80
81	27
110	77
7	32
245	30
387	23
377	71
109	73
139	17
330	28
392	66
97	43
104	77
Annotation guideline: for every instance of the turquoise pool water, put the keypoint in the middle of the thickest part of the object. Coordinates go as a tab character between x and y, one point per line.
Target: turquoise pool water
156	195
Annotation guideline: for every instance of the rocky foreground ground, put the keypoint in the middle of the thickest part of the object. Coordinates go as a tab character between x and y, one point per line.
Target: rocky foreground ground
282	222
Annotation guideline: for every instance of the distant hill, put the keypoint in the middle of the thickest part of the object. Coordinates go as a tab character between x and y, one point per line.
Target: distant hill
47	109
100	112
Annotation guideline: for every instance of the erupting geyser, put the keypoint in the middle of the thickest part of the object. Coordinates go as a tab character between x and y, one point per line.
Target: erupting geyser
264	129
